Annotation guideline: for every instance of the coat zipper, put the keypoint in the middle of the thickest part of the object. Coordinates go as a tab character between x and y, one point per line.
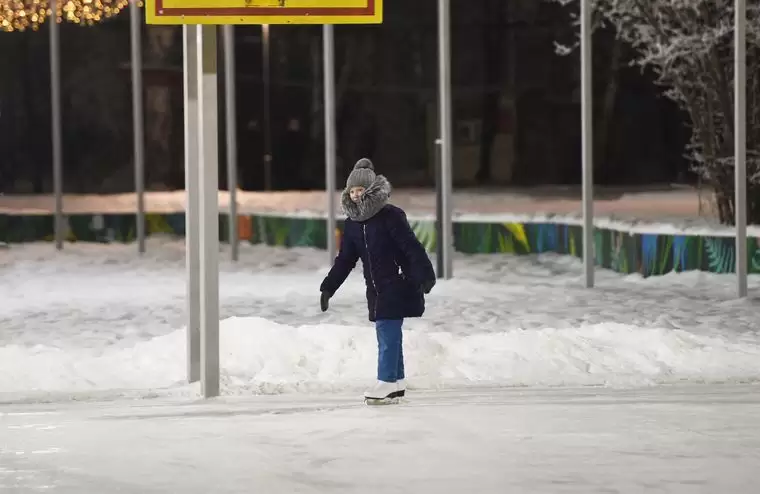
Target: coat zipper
369	261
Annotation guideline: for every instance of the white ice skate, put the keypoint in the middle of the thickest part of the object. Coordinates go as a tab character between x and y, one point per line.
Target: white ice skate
382	393
401	388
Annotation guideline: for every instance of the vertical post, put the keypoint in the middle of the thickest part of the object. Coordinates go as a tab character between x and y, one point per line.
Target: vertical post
328	58
740	142
445	117
138	122
267	107
587	148
231	126
55	102
438	212
192	178
208	146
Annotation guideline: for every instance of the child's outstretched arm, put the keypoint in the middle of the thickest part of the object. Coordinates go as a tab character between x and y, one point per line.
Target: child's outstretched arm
344	264
422	273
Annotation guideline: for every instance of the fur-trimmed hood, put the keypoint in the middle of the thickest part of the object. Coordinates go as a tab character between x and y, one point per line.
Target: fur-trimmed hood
375	197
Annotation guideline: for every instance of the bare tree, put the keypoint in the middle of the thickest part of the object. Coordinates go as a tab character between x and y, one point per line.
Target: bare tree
688	45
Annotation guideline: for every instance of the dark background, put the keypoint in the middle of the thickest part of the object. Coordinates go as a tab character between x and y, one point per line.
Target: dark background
516	103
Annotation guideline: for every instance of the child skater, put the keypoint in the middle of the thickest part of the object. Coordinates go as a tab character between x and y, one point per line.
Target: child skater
397	270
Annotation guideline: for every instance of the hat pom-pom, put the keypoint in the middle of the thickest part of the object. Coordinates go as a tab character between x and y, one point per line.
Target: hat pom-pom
364	163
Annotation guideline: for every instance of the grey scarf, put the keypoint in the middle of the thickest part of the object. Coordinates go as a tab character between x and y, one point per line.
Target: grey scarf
375	197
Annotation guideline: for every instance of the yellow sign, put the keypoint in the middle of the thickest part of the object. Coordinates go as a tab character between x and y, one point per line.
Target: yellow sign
264	11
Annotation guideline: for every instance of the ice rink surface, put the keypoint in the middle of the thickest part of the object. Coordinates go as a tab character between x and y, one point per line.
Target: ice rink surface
520	380
695	439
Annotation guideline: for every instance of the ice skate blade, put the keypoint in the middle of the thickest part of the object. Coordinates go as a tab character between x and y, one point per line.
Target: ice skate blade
394	400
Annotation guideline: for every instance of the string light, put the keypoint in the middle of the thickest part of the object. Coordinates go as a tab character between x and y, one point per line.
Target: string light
88	12
20	15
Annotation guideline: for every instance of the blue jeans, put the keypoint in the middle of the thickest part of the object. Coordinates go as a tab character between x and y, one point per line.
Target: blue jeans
390	353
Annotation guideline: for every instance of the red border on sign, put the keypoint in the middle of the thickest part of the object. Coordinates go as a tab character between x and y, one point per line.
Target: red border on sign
369	10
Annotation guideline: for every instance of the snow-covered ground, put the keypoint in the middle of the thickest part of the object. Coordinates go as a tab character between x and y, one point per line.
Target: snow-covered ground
93	318
685	440
92	359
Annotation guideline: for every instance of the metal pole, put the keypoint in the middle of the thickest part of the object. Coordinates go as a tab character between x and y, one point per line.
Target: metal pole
208	147
138	122
267	108
587	148
328	59
438	212
55	102
740	142
445	116
192	177
231	127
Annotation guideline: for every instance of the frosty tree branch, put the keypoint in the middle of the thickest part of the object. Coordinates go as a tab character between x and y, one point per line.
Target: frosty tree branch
688	47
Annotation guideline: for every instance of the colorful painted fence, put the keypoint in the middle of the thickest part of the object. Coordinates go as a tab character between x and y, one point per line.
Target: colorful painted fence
621	251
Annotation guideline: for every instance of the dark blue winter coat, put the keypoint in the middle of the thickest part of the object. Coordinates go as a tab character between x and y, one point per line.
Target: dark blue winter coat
395	264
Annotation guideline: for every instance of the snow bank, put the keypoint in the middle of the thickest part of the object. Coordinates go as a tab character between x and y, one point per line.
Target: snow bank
95	320
260	356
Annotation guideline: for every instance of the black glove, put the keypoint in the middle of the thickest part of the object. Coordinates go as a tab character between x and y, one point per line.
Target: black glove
324	301
427	286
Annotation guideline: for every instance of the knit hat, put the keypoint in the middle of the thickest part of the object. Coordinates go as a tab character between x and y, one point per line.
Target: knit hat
363	174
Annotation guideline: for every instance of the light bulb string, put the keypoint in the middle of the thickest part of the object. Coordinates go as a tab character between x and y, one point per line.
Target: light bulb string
20	15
